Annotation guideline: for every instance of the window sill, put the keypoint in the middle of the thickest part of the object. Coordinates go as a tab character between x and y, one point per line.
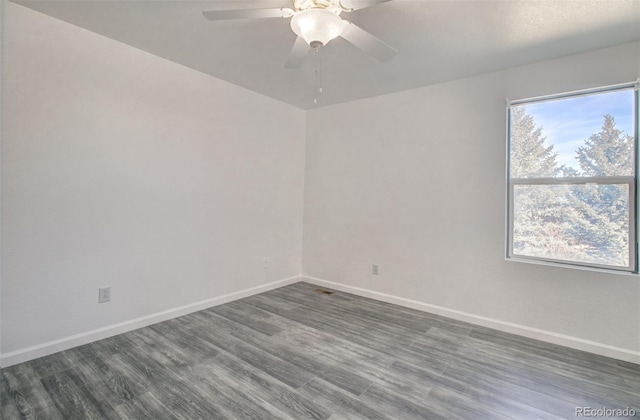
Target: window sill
570	266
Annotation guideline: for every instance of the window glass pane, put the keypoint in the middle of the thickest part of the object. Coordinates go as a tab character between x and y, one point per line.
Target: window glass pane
581	223
586	135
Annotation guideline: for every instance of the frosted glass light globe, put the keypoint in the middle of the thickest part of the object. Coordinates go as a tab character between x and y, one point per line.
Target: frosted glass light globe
317	25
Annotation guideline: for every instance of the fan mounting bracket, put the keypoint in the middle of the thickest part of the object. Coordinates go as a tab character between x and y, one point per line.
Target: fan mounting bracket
333	5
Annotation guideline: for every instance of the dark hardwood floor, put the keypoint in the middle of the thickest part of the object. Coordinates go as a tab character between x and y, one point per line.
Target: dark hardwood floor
292	353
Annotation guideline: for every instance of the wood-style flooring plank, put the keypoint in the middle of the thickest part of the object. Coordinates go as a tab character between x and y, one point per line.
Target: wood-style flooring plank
72	398
338	401
552	377
256	382
246	316
323	302
571	361
317	362
303	336
221	390
387	341
278	368
145	406
397	406
31	402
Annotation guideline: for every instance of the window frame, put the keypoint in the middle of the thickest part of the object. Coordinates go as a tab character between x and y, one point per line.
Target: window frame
630	181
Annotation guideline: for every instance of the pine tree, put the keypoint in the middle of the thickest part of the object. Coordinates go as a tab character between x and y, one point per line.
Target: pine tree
603	210
530	158
607	153
542	213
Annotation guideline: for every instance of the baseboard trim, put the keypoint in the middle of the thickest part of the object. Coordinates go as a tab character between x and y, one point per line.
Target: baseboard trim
523	330
45	349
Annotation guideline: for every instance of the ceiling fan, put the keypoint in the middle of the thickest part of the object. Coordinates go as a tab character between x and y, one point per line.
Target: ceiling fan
316	22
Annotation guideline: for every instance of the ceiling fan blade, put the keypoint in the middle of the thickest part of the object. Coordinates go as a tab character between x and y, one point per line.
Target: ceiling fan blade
298	53
351	5
367	42
247	14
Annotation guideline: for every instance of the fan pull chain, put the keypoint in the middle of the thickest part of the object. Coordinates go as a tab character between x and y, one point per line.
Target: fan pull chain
318	74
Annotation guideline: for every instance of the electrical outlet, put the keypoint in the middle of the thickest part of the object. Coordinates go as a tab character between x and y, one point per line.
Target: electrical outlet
104	294
266	263
374	269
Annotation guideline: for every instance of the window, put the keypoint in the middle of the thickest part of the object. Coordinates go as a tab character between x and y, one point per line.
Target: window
572	178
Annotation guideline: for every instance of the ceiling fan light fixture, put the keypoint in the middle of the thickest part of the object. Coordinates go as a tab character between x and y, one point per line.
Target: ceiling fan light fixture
317	25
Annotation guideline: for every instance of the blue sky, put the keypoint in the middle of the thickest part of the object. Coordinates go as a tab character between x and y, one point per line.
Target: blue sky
568	122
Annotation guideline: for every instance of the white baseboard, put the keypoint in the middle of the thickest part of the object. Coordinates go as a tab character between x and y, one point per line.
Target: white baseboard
45	349
523	330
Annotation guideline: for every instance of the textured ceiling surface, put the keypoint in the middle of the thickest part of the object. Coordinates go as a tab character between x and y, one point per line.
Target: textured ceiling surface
437	41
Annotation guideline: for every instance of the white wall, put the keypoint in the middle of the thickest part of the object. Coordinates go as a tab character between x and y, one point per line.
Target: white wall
124	169
1	119
415	182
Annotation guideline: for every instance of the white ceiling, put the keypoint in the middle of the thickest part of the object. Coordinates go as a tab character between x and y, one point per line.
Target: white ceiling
437	40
